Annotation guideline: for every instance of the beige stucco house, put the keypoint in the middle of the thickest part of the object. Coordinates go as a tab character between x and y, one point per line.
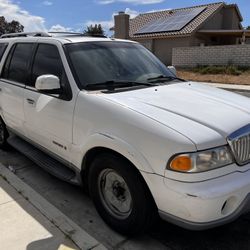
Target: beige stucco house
204	25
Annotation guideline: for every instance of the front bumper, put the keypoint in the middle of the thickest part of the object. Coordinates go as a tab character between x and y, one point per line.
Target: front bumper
201	205
242	209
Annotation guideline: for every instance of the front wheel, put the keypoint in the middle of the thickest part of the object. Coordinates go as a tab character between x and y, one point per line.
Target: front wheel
120	195
3	135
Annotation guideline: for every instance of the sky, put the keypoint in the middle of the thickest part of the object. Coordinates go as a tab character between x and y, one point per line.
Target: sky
75	15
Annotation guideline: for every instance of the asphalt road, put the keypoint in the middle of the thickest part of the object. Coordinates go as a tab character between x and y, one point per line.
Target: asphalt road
76	204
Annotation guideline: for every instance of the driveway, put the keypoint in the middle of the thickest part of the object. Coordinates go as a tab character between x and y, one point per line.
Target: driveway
76	204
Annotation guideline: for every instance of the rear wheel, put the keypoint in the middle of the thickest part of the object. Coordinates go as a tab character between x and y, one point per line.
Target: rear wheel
3	135
120	195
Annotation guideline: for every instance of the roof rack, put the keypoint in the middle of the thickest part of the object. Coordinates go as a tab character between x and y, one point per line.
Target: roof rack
26	34
41	34
58	34
48	34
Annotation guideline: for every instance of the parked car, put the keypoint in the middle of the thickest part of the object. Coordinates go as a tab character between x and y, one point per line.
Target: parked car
108	115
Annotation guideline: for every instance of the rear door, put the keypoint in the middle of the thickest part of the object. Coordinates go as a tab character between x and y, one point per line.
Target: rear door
14	76
48	117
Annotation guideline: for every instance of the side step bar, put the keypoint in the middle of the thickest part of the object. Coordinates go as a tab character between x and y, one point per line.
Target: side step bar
43	160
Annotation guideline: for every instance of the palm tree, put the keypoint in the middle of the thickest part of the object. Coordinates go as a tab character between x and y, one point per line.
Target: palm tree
94	30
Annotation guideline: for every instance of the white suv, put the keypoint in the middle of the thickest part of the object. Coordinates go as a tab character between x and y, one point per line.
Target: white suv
107	114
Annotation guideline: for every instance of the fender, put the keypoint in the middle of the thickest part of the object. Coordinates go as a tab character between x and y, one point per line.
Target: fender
110	142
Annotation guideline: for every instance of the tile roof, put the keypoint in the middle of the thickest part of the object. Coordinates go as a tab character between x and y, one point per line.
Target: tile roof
138	22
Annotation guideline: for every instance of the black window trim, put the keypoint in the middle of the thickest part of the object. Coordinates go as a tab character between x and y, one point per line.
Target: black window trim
4	50
7	62
32	63
77	80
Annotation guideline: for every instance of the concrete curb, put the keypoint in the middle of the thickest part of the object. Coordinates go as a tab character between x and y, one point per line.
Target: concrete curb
80	237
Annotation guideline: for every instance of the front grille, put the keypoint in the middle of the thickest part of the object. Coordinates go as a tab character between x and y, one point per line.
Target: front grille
239	142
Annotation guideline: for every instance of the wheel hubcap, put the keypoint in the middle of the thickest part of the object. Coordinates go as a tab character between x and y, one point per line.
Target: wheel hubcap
115	194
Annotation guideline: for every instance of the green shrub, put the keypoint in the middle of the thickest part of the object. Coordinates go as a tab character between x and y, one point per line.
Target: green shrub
215	70
243	68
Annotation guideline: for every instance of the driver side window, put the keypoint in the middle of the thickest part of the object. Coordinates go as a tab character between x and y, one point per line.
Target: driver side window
47	61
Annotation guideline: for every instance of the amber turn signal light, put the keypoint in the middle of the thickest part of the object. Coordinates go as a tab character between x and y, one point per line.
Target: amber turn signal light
181	163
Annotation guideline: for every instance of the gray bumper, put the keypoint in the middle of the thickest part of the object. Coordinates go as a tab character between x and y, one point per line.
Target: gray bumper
197	226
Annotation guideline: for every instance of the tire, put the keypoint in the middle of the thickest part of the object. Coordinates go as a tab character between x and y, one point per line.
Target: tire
3	135
120	195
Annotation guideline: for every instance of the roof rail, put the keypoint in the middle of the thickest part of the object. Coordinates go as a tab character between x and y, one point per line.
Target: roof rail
95	35
26	34
56	33
48	34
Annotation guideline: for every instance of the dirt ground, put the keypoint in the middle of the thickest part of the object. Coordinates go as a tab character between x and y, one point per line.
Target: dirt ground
243	79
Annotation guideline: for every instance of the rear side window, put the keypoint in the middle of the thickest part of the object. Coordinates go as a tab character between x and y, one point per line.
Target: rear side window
48	61
3	47
17	64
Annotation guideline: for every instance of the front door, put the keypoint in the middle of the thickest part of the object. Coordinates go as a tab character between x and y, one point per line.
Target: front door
49	118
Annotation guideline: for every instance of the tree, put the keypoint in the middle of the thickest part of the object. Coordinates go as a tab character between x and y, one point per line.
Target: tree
248	28
14	26
94	30
3	24
9	27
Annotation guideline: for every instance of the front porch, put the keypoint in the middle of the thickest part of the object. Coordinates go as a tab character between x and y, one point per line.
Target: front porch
223	37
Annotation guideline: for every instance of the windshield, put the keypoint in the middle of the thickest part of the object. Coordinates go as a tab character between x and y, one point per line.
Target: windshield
98	62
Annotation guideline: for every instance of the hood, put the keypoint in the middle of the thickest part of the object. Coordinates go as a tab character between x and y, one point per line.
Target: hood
198	111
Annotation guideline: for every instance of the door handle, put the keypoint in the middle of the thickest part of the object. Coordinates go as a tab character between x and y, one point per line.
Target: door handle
30	101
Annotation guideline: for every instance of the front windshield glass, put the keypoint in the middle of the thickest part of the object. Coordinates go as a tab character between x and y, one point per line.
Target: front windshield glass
99	62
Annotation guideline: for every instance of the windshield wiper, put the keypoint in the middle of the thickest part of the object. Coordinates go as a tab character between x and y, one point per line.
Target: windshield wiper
163	78
113	84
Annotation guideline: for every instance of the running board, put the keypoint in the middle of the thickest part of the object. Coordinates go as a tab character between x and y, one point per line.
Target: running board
43	160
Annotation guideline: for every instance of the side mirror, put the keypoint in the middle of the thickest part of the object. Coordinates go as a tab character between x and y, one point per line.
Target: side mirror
173	70
48	84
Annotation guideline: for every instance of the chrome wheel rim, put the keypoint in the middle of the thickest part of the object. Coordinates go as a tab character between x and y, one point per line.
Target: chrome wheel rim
115	194
1	132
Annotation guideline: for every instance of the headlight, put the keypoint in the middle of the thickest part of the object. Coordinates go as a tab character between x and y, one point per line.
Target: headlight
201	161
